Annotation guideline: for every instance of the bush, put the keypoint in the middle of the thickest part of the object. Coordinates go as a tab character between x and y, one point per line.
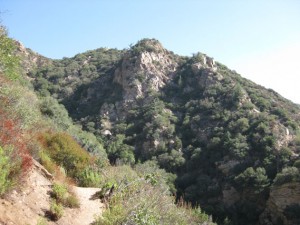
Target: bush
90	178
56	211
297	164
41	221
288	174
47	162
72	201
56	112
5	181
21	104
59	192
15	159
66	152
63	196
9	63
253	178
138	200
144	216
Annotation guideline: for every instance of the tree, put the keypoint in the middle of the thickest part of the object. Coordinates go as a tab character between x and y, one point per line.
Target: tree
171	161
253	178
118	150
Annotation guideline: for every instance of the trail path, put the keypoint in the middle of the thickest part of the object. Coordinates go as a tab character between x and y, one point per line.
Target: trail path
89	209
28	205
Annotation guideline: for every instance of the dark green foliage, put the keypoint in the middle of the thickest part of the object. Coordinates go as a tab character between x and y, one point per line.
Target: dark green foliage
68	79
56	112
288	174
118	150
255	179
210	126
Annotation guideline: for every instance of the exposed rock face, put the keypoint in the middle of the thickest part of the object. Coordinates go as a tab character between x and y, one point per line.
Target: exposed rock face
146	72
29	58
138	75
205	62
230	196
282	199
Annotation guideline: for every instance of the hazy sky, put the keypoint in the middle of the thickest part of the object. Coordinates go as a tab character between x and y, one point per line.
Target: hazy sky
260	39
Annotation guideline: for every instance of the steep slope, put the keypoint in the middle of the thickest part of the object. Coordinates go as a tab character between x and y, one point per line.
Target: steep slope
30	204
229	140
38	128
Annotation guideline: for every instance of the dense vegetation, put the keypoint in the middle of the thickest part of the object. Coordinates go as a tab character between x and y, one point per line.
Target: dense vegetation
207	125
38	128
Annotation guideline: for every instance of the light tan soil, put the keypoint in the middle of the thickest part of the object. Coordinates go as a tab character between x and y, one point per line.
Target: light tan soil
28	205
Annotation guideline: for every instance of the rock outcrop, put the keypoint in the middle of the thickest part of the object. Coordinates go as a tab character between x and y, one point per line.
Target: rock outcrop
283	205
144	72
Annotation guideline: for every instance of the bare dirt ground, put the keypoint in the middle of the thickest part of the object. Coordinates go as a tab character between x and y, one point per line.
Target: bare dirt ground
28	205
89	209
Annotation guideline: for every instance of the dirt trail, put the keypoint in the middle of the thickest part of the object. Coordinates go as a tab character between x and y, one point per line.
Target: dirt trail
89	209
29	205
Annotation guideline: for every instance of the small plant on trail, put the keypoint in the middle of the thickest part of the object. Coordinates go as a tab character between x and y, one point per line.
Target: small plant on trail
41	221
72	202
56	211
89	178
63	196
59	192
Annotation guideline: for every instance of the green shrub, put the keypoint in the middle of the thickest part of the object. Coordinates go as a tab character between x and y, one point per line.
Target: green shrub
56	112
47	162
297	164
63	196
41	221
144	216
66	152
22	103
253	178
72	201
5	182
9	63
138	200
56	211
10	168
288	174
114	215
89	178
59	192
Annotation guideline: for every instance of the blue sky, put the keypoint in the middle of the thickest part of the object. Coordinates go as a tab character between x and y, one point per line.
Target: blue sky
259	39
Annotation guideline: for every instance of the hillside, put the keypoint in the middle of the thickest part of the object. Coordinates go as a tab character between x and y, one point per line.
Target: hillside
54	172
232	144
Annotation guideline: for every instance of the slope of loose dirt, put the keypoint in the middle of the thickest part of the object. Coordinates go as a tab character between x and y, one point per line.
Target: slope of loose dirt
29	204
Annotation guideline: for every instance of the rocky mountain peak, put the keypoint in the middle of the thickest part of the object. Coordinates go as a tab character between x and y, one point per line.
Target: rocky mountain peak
149	45
147	67
30	59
